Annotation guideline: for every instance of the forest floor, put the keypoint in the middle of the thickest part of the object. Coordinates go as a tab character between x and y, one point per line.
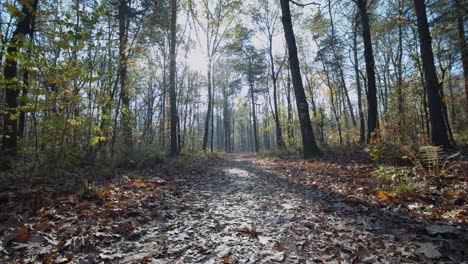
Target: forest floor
237	208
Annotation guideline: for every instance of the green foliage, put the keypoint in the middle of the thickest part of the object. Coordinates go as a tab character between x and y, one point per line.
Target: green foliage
380	149
398	180
89	185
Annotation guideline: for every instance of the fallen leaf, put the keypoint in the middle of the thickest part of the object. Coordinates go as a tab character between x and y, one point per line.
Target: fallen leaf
385	196
23	233
428	249
442	229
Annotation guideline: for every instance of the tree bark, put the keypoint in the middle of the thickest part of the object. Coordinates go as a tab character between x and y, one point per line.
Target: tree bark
362	125
172	79
208	113
279	134
124	21
308	138
464	55
399	87
289	109
370	70
439	134
10	127
254	118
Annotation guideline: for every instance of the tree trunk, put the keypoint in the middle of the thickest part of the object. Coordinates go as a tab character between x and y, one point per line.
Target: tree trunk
254	118
172	79
289	108
208	112
439	134
227	123
212	113
362	125
464	55
124	21
370	70
308	138
279	134
399	87
10	126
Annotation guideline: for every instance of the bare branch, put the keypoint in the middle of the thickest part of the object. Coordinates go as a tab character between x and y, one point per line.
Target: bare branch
303	5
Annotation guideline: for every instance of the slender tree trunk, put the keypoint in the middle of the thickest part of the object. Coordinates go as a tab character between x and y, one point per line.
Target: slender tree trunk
338	62
372	121
24	96
279	134
464	54
254	118
208	112
212	113
399	87
124	20
439	134
172	79
227	123
362	125
446	119
162	133
290	111
308	138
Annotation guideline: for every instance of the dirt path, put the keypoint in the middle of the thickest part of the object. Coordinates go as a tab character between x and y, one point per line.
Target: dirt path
235	212
239	213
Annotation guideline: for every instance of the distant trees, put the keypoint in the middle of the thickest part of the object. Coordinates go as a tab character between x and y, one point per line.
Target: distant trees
215	18
105	81
266	18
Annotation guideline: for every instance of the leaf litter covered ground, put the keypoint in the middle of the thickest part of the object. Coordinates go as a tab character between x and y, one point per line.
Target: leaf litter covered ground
235	209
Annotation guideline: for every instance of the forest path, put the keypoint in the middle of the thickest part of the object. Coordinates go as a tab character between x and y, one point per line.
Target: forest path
237	212
236	209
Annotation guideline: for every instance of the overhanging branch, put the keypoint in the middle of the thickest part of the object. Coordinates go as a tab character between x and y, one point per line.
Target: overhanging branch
303	5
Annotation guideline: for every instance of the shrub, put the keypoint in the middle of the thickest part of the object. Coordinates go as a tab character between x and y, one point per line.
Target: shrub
398	180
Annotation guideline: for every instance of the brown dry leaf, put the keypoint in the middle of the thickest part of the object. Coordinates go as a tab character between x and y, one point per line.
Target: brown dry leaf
249	231
84	205
128	226
69	256
43	225
451	193
279	247
23	233
385	196
84	213
156	214
139	184
176	192
102	194
227	259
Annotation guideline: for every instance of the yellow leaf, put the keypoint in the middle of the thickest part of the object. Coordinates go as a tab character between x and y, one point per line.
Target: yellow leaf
451	193
385	196
94	140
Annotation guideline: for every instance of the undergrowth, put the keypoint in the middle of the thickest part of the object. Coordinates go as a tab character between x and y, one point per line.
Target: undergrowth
398	180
